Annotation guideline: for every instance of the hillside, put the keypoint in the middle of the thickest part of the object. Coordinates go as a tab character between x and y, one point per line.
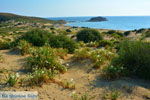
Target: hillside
8	16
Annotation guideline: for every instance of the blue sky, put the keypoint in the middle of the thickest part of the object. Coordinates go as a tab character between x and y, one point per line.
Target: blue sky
57	8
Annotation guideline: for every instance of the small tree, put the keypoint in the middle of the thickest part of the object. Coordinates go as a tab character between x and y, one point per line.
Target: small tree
37	37
62	41
89	35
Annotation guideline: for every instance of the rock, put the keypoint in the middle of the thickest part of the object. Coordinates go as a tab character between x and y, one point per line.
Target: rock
97	19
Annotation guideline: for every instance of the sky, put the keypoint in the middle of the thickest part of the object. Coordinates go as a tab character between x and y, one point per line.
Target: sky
66	8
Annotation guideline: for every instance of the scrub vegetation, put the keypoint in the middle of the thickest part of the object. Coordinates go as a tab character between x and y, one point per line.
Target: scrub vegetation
71	62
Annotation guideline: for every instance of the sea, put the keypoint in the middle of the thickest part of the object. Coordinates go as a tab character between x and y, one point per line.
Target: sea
114	22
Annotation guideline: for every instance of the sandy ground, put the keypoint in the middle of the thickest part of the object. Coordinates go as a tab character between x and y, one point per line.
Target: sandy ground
85	79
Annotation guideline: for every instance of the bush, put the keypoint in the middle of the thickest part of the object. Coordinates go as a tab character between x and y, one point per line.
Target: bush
104	43
111	32
113	72
127	33
140	30
68	30
112	95
62	41
5	45
114	33
117	35
147	34
61	52
100	56
24	47
84	96
92	44
89	35
81	44
82	53
44	57
102	53
40	76
135	57
37	37
12	79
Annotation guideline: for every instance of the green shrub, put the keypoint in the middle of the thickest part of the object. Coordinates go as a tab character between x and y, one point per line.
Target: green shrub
81	44
24	47
117	35
113	72
12	79
147	34
88	35
5	45
40	76
61	52
102	53
37	37
67	84
112	95
135	57
68	30
84	96
92	44
40	38
111	32
62	41
140	30
127	33
104	43
100	56
82	53
44	57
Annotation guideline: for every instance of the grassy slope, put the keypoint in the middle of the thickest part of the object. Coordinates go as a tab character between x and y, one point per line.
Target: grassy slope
9	16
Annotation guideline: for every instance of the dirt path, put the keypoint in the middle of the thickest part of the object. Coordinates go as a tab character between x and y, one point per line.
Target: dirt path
12	61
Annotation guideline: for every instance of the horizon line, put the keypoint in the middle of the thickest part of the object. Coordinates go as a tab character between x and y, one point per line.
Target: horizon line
75	16
102	16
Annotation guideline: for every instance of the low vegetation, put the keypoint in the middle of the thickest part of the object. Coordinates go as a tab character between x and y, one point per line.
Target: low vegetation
37	37
105	43
112	95
12	79
49	51
135	57
98	57
44	57
61	41
40	38
8	17
82	53
40	76
89	35
24	47
84	96
147	34
5	45
113	72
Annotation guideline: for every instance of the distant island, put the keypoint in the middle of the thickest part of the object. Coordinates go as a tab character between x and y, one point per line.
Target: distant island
97	19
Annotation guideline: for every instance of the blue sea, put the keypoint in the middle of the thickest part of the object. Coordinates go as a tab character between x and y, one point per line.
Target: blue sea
114	22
